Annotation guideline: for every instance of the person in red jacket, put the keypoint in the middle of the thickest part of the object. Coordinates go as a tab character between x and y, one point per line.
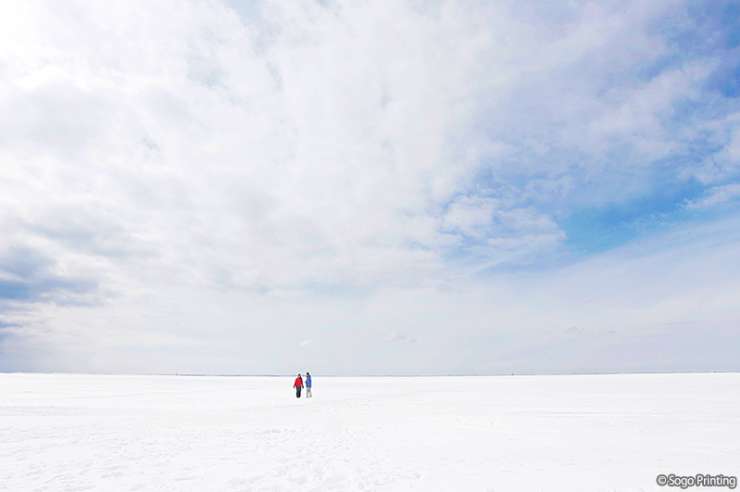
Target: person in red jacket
298	385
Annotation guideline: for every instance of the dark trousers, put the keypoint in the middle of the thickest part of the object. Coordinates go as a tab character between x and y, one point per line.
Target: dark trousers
298	392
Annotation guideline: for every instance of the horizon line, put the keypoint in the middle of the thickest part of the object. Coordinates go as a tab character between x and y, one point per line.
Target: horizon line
245	375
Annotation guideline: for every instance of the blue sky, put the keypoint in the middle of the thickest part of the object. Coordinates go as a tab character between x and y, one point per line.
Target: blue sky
254	186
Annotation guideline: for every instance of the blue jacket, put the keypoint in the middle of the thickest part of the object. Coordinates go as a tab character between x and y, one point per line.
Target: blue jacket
308	381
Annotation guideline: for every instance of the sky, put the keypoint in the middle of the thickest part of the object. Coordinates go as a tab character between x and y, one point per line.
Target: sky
351	187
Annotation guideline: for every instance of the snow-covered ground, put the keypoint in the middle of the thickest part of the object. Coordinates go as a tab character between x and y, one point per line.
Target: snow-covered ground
548	433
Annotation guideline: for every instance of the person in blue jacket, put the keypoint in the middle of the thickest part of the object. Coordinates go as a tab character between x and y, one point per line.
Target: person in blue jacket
308	384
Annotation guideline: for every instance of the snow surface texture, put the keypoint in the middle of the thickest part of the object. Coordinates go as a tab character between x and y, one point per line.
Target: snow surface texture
540	433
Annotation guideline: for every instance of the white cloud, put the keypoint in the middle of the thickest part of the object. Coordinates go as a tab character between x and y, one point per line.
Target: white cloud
224	177
494	232
717	195
643	307
471	216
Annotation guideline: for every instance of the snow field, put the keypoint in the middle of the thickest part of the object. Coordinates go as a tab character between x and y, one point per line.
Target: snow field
508	433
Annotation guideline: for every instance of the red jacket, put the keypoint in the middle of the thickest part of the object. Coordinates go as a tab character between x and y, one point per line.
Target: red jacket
298	382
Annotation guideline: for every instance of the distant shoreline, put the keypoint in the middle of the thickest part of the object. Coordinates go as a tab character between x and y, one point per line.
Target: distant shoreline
206	375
